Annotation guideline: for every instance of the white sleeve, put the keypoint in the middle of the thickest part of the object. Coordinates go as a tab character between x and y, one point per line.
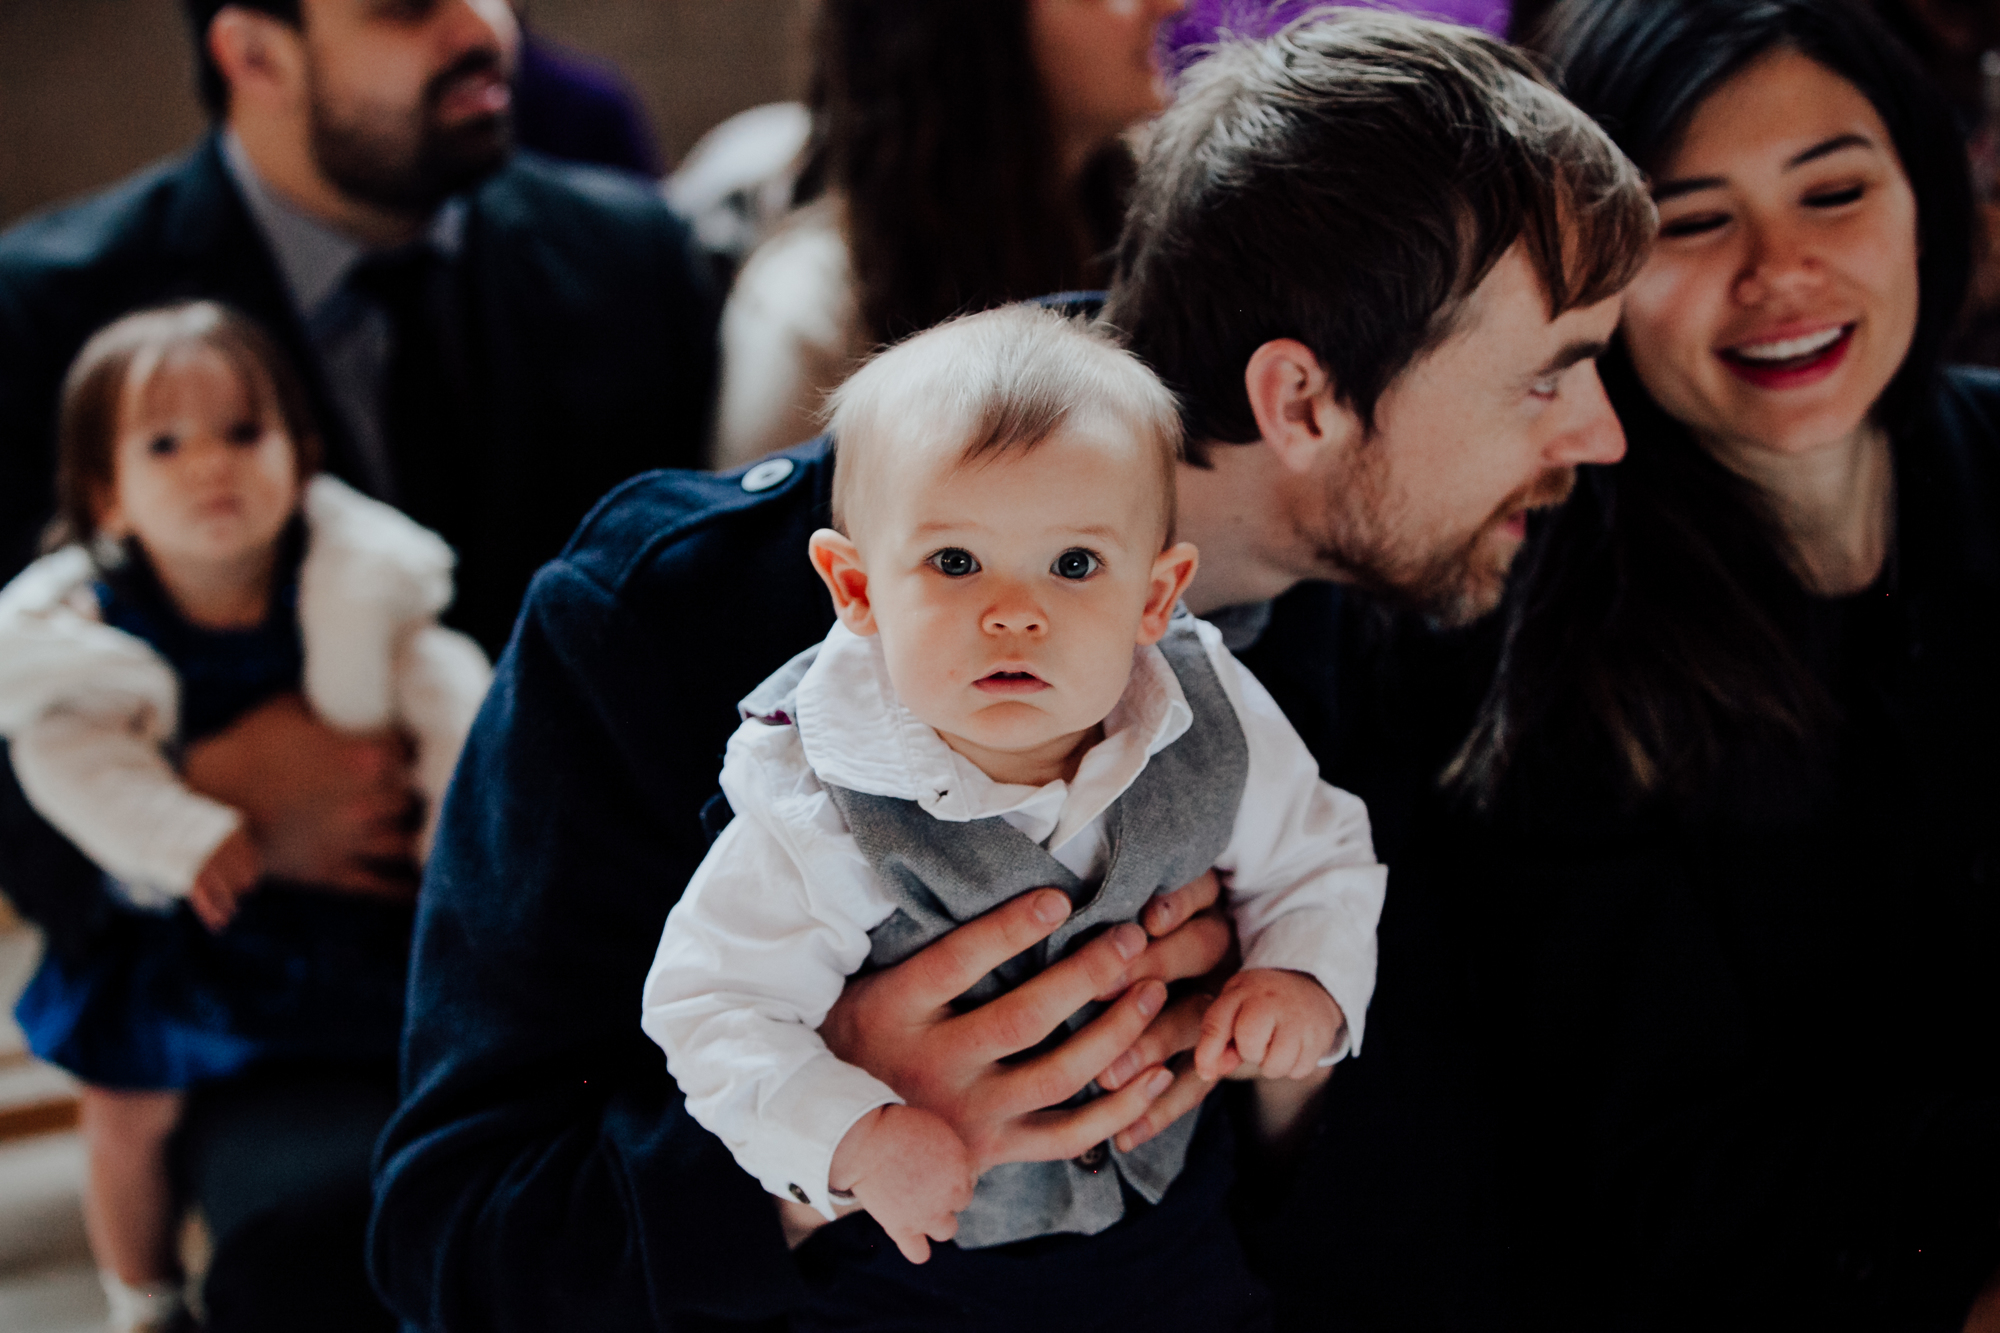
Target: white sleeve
1304	885
441	678
107	788
773	922
789	332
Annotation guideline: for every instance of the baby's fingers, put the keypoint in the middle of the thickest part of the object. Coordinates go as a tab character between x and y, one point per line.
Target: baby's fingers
1218	1025
1256	1024
913	1245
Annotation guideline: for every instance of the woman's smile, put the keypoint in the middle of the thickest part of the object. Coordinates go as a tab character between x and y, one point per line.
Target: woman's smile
1778	361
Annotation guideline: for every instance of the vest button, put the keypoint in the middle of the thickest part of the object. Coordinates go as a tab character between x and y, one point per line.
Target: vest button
1094	1156
801	1196
767	474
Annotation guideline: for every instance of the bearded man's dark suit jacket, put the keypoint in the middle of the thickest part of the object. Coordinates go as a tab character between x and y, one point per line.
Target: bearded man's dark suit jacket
589	338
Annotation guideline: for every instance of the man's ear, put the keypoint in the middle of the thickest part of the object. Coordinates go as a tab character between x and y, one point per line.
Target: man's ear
261	57
1297	406
838	562
1173	569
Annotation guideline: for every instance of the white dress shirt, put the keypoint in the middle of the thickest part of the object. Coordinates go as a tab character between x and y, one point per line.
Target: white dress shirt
776	918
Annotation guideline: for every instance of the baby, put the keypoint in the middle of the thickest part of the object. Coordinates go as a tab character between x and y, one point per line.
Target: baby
1008	700
202	569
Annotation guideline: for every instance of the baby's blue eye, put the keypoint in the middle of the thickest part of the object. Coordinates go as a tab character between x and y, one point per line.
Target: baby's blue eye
162	445
1075	563
953	562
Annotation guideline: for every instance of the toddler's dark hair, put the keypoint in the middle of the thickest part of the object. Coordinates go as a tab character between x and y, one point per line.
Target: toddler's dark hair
120	358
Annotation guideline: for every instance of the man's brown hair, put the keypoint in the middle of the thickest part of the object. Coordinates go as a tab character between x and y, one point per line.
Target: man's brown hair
120	358
1349	182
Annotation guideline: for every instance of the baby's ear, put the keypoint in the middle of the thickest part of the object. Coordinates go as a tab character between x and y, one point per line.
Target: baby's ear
838	563
1173	569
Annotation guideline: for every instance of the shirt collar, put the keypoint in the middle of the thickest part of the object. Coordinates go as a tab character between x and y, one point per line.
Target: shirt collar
314	258
857	734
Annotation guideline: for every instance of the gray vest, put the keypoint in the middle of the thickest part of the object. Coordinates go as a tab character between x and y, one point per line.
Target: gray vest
1169	826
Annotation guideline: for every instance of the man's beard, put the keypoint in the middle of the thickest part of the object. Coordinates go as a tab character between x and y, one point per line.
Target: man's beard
1447	581
409	163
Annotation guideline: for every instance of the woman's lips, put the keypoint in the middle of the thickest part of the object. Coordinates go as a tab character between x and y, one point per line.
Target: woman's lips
1010	682
1789	363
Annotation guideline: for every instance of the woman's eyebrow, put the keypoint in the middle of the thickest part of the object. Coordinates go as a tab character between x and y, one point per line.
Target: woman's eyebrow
1674	189
1833	145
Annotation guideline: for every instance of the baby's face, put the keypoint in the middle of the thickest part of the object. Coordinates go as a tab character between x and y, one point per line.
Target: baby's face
1010	593
200	476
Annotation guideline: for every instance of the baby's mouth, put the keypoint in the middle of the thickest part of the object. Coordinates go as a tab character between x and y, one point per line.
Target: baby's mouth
1010	682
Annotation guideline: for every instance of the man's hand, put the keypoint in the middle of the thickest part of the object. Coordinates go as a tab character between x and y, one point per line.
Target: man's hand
230	872
910	1172
898	1025
327	808
1192	937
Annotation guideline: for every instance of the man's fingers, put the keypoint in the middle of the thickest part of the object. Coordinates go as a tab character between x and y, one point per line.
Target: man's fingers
1168	911
941	972
1051	1136
1034	1009
1176	1029
1184	1095
1194	950
1057	1075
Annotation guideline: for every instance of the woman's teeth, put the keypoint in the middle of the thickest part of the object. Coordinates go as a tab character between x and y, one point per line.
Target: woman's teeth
1787	349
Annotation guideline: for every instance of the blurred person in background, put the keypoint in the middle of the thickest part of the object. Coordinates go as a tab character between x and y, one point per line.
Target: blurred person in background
490	341
962	156
570	106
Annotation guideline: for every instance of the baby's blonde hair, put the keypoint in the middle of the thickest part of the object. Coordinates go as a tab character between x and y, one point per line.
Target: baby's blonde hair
1004	381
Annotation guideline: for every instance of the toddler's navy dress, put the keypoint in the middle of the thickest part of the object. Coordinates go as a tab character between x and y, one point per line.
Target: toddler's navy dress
159	1001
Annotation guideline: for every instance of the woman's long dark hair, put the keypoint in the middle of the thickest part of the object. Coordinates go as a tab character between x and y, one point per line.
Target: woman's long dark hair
931	123
1658	613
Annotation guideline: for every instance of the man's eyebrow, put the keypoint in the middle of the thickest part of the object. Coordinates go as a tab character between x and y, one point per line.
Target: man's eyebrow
1584	349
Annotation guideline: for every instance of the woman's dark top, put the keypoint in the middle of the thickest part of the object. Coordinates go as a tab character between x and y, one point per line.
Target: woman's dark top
1743	1053
159	1001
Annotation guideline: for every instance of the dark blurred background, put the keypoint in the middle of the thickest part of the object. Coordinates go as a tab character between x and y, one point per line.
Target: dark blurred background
93	89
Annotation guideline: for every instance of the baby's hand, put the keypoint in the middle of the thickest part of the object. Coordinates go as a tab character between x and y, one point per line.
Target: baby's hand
1283	1022
230	872
910	1171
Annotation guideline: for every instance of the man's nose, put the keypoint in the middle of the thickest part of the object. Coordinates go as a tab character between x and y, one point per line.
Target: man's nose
472	25
1592	433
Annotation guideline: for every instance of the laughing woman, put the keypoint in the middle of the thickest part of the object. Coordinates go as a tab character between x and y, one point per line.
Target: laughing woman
1739	805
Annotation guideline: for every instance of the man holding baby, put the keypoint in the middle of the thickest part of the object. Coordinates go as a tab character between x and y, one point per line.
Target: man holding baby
1374	259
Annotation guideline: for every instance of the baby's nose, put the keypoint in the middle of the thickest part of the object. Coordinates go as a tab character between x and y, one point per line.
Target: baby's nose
1015	618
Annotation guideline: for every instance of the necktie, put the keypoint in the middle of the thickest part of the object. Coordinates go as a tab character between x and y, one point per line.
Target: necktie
423	398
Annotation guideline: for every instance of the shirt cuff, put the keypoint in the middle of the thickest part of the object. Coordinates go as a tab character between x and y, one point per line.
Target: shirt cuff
1324	946
803	1123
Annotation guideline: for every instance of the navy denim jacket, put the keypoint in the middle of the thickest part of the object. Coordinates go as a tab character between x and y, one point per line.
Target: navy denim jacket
542	1172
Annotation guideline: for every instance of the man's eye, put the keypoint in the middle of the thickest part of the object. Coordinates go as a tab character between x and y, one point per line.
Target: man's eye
246	432
160	446
1076	563
953	562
